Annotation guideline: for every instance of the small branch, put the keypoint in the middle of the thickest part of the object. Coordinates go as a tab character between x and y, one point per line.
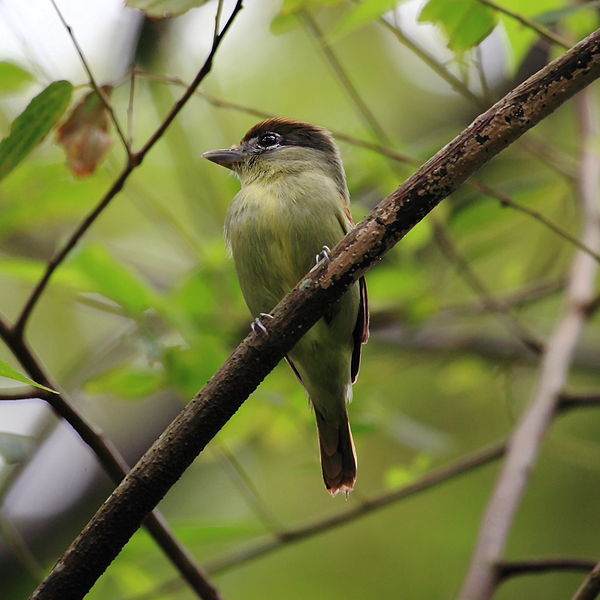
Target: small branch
571	401
538	216
556	361
161	466
246	486
540	566
93	83
454	82
590	587
452	253
539	29
362	108
133	162
30	394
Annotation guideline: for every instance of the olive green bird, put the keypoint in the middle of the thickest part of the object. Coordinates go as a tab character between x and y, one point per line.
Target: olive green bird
292	207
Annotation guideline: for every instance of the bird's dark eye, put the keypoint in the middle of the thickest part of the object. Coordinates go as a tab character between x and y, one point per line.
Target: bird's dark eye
268	139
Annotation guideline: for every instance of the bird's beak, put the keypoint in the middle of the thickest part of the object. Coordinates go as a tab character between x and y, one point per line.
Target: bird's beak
229	158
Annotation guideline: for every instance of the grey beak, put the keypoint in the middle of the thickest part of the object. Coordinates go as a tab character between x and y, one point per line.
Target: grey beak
226	158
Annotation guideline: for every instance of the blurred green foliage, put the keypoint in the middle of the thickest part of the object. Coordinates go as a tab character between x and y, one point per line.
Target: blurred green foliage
147	306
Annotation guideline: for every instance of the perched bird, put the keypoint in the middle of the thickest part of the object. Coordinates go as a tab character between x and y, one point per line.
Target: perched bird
293	207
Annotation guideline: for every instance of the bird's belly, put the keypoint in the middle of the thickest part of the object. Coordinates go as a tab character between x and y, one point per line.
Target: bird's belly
274	244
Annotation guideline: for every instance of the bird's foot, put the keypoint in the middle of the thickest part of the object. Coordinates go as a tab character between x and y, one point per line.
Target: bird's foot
257	325
322	257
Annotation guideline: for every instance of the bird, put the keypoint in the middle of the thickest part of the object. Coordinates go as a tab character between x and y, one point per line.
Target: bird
292	207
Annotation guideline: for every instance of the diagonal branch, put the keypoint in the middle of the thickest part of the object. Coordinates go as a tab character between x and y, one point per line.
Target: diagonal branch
544	32
556	361
590	586
157	471
134	160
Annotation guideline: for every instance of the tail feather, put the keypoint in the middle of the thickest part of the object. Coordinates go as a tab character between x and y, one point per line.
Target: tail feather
338	457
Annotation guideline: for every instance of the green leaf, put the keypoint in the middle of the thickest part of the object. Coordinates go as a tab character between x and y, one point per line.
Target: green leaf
126	382
361	14
466	22
15	448
33	124
163	9
11	373
12	77
285	19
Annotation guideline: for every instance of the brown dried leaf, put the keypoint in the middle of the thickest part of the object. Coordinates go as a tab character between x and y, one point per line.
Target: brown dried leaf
84	135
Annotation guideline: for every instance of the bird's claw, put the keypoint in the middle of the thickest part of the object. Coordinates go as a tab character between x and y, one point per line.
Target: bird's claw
257	324
322	257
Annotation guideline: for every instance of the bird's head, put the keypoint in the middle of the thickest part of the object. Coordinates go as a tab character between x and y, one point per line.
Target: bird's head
280	147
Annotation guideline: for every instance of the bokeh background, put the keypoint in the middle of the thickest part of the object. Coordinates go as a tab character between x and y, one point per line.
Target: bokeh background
147	307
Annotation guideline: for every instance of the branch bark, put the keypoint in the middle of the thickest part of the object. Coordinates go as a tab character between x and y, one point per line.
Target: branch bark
115	522
590	587
558	355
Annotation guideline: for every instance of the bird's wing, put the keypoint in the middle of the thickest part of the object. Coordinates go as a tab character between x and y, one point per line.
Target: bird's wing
360	335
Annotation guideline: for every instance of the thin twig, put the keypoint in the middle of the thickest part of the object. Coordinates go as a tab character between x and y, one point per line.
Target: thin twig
130	114
451	252
590	587
30	394
363	109
539	566
454	82
525	441
134	161
249	491
538	216
539	29
93	82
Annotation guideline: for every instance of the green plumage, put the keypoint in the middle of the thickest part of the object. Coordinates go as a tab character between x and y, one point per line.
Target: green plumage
275	230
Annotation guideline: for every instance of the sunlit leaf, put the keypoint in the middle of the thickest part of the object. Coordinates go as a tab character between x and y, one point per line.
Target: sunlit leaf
10	372
126	382
84	135
285	19
33	124
466	22
15	448
12	77
162	9
361	14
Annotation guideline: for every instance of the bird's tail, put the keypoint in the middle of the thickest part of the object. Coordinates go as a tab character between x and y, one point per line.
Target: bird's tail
338	457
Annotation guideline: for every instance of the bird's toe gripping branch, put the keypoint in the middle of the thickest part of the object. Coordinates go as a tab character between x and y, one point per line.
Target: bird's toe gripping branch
322	257
257	325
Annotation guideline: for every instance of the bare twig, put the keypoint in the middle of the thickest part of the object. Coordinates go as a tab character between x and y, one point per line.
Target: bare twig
526	439
103	97
539	29
450	250
590	587
363	110
539	566
454	82
161	466
246	486
134	160
538	216
24	395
